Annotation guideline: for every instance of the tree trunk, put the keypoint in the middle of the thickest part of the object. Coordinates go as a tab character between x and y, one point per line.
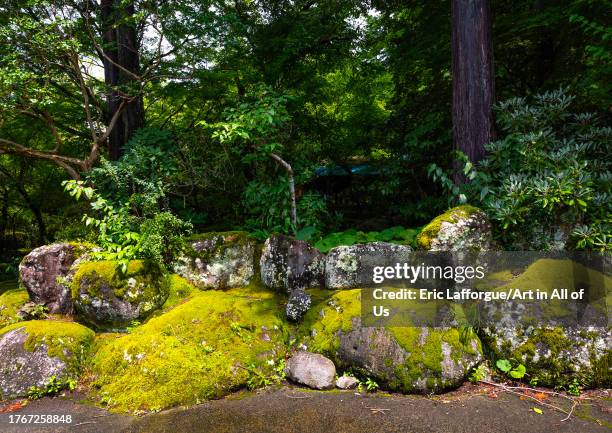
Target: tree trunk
473	78
121	63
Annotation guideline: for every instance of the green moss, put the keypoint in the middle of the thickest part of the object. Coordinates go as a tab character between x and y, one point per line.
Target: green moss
213	343
179	290
453	215
10	302
426	355
324	321
142	274
68	341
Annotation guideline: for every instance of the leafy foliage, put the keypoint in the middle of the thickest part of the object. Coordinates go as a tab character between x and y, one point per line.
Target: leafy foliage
397	234
123	236
547	179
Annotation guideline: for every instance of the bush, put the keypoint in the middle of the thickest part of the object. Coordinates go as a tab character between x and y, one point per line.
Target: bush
547	183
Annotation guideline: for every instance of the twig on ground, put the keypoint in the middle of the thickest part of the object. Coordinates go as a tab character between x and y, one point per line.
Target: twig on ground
514	390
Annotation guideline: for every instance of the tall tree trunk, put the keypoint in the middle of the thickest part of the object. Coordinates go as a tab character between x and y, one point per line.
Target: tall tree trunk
121	60
473	78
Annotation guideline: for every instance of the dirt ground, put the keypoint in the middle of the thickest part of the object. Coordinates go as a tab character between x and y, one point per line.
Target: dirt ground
295	410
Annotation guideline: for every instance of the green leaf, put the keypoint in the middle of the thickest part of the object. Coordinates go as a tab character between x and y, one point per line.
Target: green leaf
504	365
518	372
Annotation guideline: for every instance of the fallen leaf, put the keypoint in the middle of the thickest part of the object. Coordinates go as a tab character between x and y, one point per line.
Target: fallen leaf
536	410
540	396
12	407
492	395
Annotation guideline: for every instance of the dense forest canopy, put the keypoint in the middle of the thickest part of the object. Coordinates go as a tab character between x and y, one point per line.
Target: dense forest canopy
207	110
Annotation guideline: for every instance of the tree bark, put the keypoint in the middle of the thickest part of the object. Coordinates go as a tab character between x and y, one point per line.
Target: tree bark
121	65
473	78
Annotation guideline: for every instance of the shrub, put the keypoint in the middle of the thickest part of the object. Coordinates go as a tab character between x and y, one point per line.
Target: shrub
546	184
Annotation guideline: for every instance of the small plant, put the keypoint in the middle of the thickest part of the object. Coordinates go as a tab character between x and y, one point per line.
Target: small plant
51	387
478	374
517	371
371	385
133	325
574	387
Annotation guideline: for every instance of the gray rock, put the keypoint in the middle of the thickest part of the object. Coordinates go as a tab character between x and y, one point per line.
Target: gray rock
288	264
347	382
404	359
218	260
25	363
42	270
299	302
348	267
311	369
379	352
581	353
463	228
106	299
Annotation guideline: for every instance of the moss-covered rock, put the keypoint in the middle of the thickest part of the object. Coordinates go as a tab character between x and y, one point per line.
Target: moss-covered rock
204	348
555	356
41	272
10	303
32	352
218	260
406	359
106	298
557	340
462	228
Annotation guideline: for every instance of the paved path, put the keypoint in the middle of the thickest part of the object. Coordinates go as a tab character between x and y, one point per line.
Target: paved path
289	410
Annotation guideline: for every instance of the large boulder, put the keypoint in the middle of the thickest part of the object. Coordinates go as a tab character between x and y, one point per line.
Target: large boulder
556	356
218	260
462	228
41	273
405	359
106	298
311	369
32	353
288	264
557	340
348	267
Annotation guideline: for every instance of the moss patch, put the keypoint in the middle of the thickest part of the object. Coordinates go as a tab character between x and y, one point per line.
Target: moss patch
65	340
208	346
453	215
10	302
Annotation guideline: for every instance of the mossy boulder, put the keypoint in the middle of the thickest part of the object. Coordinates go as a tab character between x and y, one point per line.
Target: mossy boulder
288	264
10	303
462	228
42	270
218	260
204	348
348	267
33	352
405	359
555	356
557	340
107	298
